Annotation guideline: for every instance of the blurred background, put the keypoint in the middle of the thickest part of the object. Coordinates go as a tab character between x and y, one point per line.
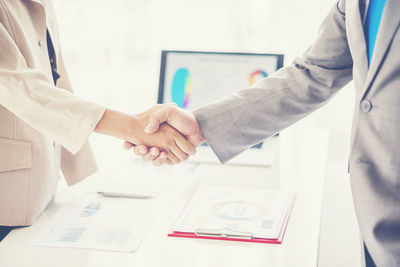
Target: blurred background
112	50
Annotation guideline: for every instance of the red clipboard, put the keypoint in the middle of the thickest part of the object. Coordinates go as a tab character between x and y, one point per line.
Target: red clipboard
242	239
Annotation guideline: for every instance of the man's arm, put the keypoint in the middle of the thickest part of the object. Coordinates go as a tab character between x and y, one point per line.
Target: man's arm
252	115
239	121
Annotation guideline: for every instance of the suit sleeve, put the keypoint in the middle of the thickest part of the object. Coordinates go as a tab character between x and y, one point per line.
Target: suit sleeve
239	121
31	95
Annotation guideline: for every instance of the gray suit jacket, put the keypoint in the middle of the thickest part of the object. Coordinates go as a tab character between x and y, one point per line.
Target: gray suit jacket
338	55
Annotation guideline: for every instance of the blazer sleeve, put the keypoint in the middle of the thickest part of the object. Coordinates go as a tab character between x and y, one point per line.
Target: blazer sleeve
31	95
241	120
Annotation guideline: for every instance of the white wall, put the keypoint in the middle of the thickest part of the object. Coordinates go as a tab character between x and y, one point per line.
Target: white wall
112	50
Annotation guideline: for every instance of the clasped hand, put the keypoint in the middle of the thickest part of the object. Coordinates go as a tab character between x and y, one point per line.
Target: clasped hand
167	122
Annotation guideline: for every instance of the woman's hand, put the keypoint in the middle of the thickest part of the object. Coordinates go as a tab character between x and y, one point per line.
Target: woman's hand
131	129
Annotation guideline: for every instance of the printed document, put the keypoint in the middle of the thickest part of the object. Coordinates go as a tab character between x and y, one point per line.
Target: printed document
117	224
257	211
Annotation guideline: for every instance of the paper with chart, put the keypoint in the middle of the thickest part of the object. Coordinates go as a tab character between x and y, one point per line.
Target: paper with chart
257	211
98	223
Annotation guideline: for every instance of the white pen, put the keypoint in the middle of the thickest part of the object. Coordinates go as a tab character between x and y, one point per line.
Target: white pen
124	195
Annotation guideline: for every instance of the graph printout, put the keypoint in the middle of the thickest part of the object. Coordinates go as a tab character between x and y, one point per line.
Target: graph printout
98	223
258	211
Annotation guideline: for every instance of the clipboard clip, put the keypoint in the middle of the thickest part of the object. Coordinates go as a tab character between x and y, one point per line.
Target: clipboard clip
224	233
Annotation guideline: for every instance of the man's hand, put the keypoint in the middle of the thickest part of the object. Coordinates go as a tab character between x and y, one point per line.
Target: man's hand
182	120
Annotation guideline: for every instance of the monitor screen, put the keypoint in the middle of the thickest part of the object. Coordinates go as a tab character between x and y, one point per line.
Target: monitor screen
193	79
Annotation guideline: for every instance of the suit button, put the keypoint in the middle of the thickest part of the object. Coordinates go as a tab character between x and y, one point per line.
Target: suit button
365	106
54	144
40	43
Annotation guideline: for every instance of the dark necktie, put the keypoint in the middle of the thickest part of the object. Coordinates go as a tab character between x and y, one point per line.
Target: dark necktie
52	58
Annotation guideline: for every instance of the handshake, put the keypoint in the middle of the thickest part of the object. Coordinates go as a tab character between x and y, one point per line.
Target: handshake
171	135
163	134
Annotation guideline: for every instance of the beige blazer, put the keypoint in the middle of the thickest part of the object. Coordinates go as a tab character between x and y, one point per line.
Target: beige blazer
37	119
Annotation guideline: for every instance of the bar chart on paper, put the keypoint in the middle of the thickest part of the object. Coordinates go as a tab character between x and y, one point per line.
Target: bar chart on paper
68	234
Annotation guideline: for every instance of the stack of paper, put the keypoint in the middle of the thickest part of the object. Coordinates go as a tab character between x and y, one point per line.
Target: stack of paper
231	213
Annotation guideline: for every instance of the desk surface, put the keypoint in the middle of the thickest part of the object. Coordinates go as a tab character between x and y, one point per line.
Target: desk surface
301	168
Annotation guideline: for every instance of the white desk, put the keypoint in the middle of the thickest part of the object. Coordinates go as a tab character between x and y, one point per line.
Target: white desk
302	161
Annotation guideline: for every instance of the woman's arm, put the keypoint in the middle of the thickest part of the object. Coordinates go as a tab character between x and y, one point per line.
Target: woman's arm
65	118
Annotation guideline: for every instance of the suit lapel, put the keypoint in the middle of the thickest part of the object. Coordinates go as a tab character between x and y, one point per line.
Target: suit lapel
51	24
355	12
388	27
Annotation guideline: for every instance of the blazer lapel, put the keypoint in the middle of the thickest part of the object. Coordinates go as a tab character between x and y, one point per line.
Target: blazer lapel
355	13
51	24
52	27
388	27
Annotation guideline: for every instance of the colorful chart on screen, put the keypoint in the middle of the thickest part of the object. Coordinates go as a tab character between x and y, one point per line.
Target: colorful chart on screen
257	75
181	87
192	80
